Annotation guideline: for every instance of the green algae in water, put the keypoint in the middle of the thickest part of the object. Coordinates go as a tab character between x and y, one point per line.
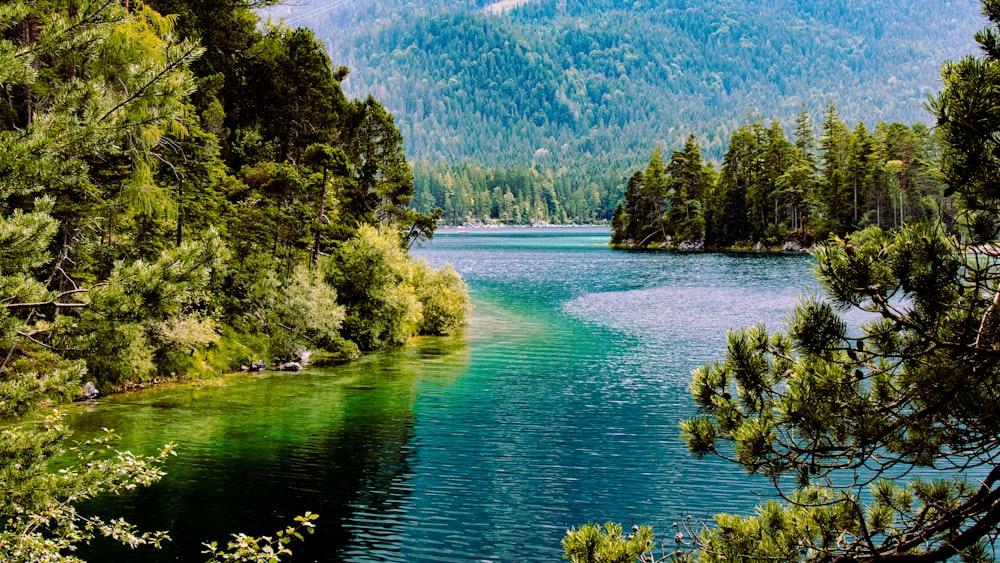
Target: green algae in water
558	405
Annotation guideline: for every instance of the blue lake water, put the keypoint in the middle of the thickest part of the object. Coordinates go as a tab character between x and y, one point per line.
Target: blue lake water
558	405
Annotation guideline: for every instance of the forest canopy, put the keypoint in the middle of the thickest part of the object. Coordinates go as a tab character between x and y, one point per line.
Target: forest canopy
581	92
785	193
182	192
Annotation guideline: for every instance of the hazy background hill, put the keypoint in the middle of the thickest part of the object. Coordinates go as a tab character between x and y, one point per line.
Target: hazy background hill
590	86
593	77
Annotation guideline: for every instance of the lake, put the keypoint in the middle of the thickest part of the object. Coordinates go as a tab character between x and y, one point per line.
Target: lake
558	405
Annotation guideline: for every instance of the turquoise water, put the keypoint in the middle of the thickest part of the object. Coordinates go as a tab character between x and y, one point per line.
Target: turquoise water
558	405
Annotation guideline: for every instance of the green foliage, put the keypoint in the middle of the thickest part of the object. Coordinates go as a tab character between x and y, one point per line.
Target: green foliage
472	194
585	90
40	502
849	422
388	297
592	543
770	191
819	405
132	247
443	297
371	275
235	348
288	74
312	305
146	310
264	549
967	122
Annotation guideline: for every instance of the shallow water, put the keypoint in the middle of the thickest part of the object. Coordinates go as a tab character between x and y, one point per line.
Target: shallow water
558	405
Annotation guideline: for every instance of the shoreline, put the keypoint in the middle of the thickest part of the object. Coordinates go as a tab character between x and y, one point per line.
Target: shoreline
490	226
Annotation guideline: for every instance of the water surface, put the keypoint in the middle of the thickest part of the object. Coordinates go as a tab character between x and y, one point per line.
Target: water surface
558	405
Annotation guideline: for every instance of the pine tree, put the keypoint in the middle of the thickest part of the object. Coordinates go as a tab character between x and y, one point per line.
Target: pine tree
655	200
89	93
739	182
835	189
635	211
968	121
880	437
689	184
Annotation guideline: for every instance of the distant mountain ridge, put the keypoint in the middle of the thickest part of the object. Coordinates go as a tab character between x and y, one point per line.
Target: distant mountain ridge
593	83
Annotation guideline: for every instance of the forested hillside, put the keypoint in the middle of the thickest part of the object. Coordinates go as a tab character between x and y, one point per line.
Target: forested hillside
586	89
181	193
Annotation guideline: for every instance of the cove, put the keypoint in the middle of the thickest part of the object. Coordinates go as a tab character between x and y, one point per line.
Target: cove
556	406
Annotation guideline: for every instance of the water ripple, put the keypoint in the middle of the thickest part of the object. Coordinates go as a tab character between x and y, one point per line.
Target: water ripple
557	406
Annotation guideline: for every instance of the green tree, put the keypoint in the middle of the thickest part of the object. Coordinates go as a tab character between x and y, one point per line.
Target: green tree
89	94
862	167
689	184
654	197
331	163
835	188
370	273
388	297
383	185
739	179
833	414
619	226
805	139
795	188
880	437
916	194
444	302
282	217
779	156
635	211
968	121
292	94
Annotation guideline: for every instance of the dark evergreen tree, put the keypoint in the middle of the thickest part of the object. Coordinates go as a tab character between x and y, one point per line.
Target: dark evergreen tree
635	210
835	188
740	176
619	226
968	121
655	199
689	184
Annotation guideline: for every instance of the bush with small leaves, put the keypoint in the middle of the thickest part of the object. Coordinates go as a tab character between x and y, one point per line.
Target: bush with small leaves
263	549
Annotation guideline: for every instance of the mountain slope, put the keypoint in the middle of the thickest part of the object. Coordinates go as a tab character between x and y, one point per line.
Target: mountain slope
592	83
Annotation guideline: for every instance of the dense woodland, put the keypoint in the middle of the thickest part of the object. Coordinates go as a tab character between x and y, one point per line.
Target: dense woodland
772	190
582	91
471	194
184	190
181	193
245	150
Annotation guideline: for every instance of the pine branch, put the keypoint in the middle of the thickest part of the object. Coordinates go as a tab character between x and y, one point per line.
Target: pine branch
54	302
170	67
